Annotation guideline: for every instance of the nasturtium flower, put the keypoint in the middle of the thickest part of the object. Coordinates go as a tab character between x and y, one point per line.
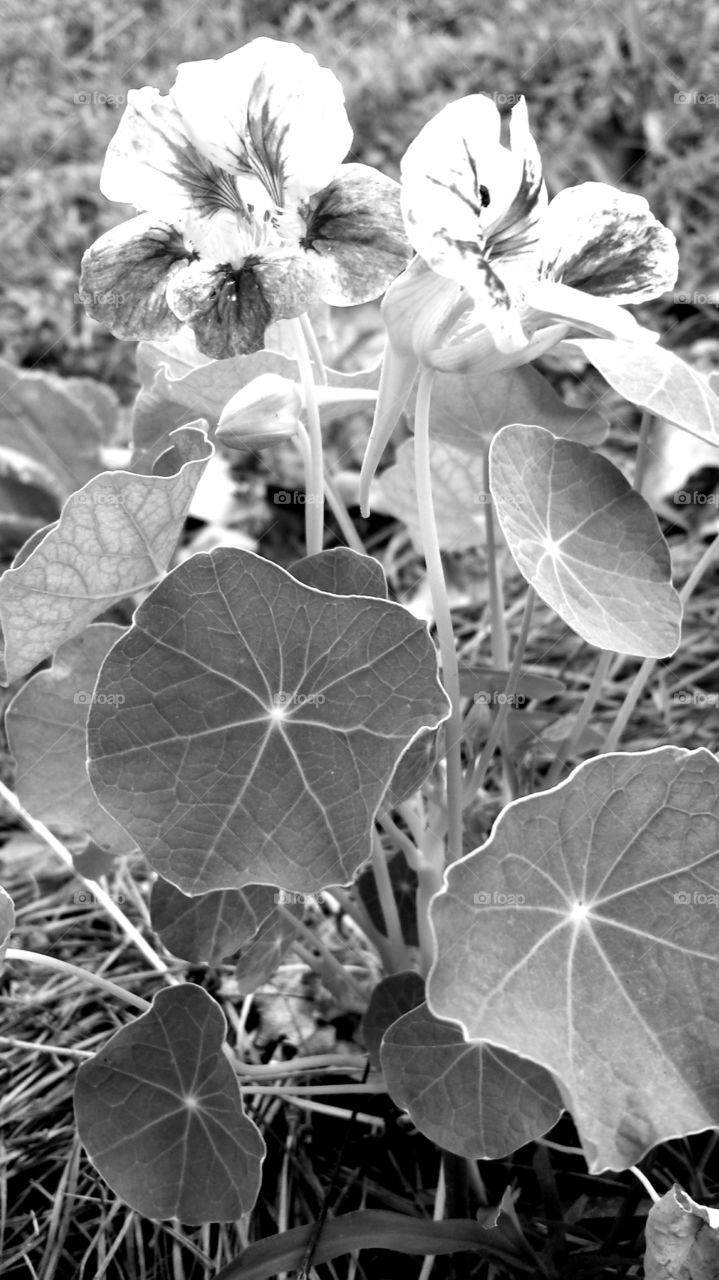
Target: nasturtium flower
502	274
246	212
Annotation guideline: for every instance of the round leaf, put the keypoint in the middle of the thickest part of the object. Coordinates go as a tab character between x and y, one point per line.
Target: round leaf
160	1114
583	935
586	541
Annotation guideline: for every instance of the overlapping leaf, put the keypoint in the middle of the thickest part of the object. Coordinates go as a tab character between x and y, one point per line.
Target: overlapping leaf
45	724
586	541
458	492
342	572
682	1239
394	996
583	935
114	537
160	1114
213	926
658	380
468	1097
262	720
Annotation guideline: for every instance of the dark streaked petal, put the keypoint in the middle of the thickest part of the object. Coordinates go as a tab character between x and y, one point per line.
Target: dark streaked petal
608	243
267	112
152	163
355	226
230	308
124	277
516	231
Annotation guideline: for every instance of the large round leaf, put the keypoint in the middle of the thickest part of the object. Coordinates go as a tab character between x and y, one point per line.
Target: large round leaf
586	541
583	935
160	1114
261	722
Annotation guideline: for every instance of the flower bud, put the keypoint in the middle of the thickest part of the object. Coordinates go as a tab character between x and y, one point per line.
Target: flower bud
262	413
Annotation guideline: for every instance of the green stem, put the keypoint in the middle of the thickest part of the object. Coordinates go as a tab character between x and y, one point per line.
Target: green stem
643	450
314	481
334	499
567	749
632	697
500	647
429	881
85	975
442	613
476	779
388	903
399	839
333	965
314	348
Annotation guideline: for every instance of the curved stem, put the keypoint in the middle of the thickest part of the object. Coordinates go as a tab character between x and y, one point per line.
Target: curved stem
314	348
442	613
314	481
86	975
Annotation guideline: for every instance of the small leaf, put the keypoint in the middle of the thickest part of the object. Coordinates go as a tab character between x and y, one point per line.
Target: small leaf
657	380
413	767
391	998
263	954
261	721
586	541
467	1097
212	927
45	724
682	1239
160	1114
583	935
116	536
7	919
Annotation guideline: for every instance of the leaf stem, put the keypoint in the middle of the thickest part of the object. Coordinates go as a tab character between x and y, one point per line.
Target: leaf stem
86	975
566	749
102	896
442	613
643	450
331	963
474	782
314	480
388	903
632	697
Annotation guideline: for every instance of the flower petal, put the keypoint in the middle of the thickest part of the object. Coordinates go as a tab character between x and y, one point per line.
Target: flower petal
599	316
356	228
125	274
267	111
396	381
607	243
458	184
229	309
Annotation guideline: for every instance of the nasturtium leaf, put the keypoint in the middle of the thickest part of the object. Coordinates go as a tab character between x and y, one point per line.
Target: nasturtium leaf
657	380
682	1239
413	767
458	493
391	998
261	722
114	537
92	861
404	885
7	919
261	957
469	408
43	420
583	935
210	928
45	724
342	572
160	1114
468	1097
587	542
